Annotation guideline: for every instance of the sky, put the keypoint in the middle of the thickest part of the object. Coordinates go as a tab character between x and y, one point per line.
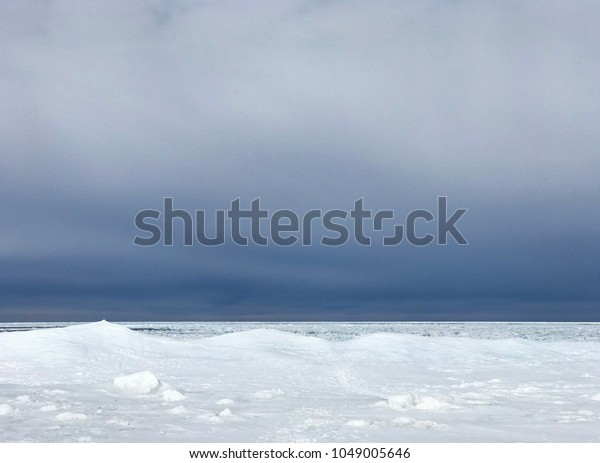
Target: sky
107	107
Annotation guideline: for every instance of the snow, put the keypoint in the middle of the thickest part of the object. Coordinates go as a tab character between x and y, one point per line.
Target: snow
408	401
342	331
225	402
179	410
358	423
143	382
171	395
268	395
48	408
103	382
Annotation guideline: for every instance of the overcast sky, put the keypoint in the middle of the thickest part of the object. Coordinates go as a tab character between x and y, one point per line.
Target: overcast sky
106	107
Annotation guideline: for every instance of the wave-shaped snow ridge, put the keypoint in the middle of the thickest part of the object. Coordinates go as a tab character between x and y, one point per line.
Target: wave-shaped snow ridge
76	382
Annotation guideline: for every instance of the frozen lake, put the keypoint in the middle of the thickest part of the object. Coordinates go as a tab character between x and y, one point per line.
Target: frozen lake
346	330
298	382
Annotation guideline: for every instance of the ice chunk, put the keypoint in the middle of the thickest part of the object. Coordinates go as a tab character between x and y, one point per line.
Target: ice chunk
143	382
358	423
68	416
412	401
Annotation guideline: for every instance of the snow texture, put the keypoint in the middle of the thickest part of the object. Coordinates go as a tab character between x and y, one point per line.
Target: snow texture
103	382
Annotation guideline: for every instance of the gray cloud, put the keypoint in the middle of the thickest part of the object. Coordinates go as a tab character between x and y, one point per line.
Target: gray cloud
109	106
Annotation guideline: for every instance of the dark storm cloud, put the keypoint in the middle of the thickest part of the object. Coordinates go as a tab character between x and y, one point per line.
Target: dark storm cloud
109	106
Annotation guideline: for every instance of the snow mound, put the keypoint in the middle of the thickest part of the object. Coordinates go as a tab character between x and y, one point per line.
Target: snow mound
143	382
225	402
596	397
5	410
171	395
431	403
179	410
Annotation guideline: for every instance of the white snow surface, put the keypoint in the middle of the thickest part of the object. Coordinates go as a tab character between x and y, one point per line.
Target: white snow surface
103	382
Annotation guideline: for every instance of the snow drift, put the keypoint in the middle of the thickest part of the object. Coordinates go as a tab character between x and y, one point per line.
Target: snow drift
104	382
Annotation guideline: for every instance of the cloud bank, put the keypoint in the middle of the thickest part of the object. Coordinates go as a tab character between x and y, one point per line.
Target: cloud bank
107	107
